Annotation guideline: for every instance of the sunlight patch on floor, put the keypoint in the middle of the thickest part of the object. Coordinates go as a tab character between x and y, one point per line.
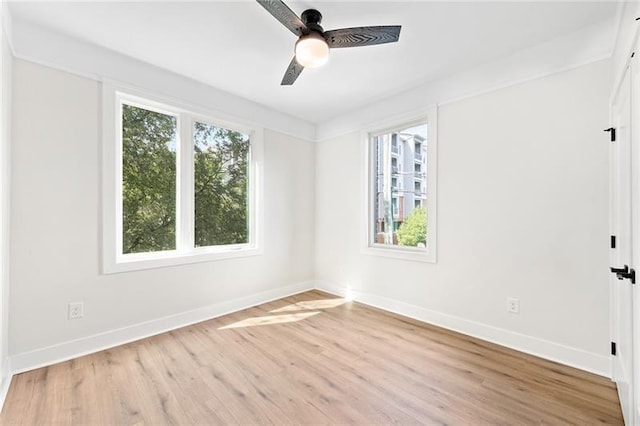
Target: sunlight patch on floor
270	320
311	305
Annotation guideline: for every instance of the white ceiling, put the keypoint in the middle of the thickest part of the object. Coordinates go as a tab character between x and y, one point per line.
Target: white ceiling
238	47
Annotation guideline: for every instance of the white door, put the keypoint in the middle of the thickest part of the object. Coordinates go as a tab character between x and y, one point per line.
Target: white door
635	223
624	207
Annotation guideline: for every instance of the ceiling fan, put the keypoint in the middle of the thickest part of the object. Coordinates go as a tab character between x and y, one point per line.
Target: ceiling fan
312	47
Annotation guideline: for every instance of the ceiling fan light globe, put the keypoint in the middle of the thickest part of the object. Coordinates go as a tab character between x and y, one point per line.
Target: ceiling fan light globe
312	51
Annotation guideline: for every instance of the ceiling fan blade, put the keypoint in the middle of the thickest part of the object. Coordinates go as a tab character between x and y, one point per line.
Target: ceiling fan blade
282	13
292	73
362	36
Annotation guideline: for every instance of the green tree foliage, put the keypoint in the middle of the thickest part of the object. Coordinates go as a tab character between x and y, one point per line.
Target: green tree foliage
414	229
148	180
149	183
221	161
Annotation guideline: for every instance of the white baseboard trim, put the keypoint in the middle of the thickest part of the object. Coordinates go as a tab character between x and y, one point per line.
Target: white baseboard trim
5	382
72	349
552	351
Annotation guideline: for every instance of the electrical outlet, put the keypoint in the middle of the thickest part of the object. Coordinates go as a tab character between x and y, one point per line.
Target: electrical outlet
76	310
513	305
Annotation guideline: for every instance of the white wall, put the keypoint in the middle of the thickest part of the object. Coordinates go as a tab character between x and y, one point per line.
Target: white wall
6	66
44	46
522	212
522	208
55	231
625	41
584	46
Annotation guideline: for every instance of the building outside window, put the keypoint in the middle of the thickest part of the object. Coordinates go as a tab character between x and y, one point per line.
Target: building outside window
393	204
401	221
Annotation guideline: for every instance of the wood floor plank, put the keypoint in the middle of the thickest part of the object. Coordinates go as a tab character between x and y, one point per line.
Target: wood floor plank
311	358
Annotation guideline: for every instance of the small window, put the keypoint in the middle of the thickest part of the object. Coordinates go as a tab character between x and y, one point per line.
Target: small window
395	148
394	165
402	223
417	149
395	209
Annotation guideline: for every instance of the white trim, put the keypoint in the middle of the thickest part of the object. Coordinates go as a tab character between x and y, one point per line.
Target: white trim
4	386
624	47
429	116
573	357
542	60
618	76
46	47
618	23
64	351
7	24
50	355
5	173
113	260
185	215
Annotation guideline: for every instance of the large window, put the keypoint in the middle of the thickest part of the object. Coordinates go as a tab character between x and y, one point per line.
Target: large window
179	187
401	195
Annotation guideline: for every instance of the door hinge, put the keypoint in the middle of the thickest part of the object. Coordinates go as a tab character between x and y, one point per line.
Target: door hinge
613	133
613	348
613	241
625	272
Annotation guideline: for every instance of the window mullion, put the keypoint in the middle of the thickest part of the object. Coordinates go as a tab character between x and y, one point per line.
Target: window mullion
117	164
185	194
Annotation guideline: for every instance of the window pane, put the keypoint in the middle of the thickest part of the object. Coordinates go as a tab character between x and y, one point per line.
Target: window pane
221	178
399	218
148	180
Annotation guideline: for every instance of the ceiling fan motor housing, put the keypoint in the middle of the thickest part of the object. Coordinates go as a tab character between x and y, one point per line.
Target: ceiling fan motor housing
312	19
311	16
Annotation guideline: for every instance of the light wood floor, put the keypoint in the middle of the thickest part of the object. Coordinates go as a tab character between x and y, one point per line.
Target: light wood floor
305	359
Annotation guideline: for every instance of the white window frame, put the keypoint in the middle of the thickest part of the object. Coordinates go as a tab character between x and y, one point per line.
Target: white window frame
113	260
369	246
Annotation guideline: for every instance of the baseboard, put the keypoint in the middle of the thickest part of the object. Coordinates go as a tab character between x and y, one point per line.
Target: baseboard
42	357
552	351
72	349
5	381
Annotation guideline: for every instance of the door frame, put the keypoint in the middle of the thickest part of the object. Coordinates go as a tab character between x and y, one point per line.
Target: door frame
633	68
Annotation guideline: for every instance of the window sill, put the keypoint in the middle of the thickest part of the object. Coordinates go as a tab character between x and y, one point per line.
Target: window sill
165	259
403	253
